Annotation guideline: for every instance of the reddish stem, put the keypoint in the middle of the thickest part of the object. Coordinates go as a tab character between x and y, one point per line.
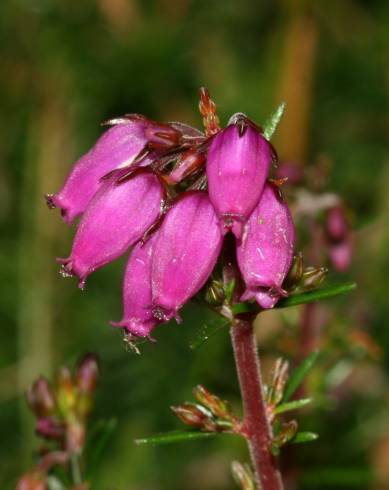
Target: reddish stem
257	427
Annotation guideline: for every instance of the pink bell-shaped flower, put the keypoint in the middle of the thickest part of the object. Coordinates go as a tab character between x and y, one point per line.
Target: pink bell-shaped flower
116	148
186	251
266	251
138	317
237	167
116	218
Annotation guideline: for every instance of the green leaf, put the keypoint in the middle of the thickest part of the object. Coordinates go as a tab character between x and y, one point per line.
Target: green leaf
299	298
293	405
271	124
98	442
207	331
316	295
175	436
298	375
302	437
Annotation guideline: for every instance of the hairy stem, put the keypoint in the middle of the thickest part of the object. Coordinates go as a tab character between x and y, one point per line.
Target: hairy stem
255	418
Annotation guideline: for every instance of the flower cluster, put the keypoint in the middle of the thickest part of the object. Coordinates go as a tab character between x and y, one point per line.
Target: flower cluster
62	410
170	194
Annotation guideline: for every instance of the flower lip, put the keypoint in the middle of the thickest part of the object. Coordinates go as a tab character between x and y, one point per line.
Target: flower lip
136	326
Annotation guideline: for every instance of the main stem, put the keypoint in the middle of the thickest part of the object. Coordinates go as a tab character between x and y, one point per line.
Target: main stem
255	418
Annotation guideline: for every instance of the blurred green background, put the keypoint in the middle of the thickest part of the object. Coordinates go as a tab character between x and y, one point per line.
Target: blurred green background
68	65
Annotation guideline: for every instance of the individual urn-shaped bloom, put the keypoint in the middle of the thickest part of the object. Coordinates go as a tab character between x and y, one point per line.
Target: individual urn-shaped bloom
138	317
186	251
266	251
237	167
116	218
116	148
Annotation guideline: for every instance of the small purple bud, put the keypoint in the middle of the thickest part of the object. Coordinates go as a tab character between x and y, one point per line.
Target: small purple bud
266	251
336	226
185	253
138	317
41	398
114	149
237	168
87	373
117	217
340	254
49	428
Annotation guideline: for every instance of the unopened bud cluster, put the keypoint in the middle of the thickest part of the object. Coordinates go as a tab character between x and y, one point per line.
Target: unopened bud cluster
169	194
210	414
61	410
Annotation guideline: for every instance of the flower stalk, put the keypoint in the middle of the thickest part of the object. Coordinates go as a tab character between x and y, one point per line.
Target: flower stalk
256	425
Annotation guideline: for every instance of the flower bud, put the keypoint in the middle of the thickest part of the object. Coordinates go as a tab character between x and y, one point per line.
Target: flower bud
185	253
189	162
193	415
87	373
114	149
50	428
312	277
237	168
341	254
215	293
40	397
117	217
218	407
66	391
266	251
138	317
336	223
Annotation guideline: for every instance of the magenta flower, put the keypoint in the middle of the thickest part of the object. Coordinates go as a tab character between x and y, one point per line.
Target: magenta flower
266	251
238	164
116	148
186	251
116	218
138	317
180	191
339	238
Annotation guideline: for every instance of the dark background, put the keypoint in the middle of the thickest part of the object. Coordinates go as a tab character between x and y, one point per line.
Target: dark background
68	65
